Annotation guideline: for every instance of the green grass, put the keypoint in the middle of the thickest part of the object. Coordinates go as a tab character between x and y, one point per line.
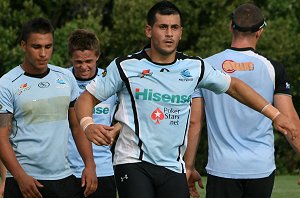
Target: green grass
285	187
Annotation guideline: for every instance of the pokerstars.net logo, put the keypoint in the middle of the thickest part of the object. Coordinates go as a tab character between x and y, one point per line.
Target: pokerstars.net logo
170	115
150	95
157	116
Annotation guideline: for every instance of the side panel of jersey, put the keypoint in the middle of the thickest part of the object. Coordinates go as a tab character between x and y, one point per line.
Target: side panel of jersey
237	147
103	114
40	128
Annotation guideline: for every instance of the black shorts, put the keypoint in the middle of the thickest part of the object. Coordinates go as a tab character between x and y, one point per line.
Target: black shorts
106	188
146	180
63	188
218	187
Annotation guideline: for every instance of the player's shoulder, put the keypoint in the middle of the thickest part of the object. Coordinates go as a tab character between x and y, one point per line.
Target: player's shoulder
12	75
60	70
187	57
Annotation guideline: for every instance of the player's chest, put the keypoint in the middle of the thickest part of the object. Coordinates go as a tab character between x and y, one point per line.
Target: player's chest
28	89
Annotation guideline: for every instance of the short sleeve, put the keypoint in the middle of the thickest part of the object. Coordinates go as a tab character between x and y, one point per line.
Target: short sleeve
6	97
197	93
214	80
106	85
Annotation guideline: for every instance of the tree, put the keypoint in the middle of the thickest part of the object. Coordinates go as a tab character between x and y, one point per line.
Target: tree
120	27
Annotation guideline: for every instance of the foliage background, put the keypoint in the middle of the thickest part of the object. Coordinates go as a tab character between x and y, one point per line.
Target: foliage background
120	27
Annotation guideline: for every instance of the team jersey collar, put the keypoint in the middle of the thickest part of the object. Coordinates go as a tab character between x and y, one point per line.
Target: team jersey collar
147	47
38	75
242	49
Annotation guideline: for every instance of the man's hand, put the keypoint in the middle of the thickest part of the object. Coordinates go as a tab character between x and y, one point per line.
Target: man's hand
99	134
194	178
284	125
28	186
89	180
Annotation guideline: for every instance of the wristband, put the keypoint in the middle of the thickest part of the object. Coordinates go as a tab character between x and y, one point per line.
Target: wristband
85	122
270	111
263	109
275	116
85	126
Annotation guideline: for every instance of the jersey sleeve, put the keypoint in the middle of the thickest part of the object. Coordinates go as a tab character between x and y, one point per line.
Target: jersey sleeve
282	82
197	93
214	80
102	87
6	97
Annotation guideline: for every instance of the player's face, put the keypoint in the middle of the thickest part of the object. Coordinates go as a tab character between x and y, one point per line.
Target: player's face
165	35
84	63
38	50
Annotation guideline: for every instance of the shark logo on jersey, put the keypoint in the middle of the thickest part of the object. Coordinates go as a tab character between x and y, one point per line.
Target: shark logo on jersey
22	88
157	115
145	72
60	81
82	86
186	75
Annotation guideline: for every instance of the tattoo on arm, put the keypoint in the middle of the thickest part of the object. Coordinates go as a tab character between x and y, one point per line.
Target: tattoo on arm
6	120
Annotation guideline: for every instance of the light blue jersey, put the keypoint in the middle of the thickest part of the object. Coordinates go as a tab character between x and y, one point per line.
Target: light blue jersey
103	114
154	105
39	104
241	140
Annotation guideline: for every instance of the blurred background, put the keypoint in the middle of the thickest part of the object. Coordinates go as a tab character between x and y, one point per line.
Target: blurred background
120	24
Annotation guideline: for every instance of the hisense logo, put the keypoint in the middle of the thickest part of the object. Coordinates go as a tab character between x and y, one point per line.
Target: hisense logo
149	94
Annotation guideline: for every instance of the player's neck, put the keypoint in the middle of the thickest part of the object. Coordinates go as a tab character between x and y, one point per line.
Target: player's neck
160	58
33	69
243	43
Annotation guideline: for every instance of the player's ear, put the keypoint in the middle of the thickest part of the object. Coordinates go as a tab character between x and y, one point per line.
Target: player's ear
148	31
259	32
23	45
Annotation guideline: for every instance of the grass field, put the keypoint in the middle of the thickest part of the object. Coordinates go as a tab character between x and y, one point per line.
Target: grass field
285	187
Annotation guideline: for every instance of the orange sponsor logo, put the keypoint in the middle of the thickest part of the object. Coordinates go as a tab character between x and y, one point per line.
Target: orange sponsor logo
230	66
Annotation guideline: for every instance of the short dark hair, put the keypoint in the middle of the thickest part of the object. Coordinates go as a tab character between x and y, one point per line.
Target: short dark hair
163	8
82	39
36	25
247	18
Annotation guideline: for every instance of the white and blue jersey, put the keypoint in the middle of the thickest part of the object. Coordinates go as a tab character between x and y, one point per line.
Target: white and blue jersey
103	114
154	106
241	140
39	104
